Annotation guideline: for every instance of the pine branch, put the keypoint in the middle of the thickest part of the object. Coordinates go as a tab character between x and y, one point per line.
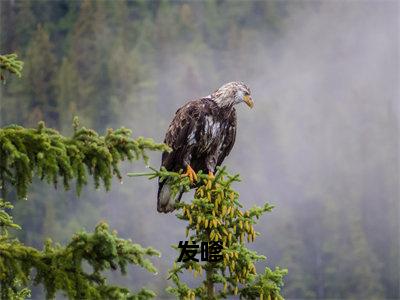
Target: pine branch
61	268
41	150
6	221
10	63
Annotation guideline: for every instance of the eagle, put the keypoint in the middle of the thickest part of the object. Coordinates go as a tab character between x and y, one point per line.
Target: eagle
201	135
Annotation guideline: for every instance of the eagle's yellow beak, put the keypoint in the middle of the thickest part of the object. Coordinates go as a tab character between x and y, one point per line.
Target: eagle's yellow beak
248	100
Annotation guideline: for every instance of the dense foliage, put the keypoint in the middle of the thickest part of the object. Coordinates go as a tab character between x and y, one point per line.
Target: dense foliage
49	155
45	153
61	268
215	215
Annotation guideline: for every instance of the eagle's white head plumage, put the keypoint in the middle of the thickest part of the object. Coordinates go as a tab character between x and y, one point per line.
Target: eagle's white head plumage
232	93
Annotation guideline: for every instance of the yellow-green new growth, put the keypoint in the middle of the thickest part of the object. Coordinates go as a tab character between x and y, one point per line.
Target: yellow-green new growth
215	214
9	62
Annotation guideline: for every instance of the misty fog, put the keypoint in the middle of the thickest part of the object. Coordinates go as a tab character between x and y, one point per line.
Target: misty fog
324	128
321	143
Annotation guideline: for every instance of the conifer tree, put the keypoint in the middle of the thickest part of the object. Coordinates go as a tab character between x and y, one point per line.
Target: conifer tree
39	79
27	24
67	91
216	215
89	52
43	152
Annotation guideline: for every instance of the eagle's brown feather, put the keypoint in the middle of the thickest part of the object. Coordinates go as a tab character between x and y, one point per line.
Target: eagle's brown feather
191	141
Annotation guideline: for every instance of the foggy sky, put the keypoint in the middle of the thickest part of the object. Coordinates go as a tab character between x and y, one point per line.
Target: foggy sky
324	125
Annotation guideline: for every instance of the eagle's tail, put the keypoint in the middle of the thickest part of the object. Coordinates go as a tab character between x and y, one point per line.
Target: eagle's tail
165	199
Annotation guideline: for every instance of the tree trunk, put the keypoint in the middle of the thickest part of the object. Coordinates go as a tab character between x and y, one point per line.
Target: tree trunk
209	283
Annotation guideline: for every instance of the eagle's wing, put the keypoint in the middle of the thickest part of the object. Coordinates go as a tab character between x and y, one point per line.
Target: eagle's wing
181	137
229	139
181	131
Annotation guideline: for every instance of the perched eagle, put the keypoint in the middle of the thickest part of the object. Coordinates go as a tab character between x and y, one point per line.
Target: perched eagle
201	135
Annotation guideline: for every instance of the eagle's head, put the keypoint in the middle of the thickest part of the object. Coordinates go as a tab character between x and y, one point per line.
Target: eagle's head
232	93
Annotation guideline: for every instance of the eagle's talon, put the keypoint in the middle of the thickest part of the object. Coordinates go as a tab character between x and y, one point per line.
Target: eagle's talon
211	175
190	173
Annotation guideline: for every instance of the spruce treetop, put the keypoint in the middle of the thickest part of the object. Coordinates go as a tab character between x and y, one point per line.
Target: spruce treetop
215	214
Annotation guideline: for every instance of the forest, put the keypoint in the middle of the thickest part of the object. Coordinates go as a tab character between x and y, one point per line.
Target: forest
321	144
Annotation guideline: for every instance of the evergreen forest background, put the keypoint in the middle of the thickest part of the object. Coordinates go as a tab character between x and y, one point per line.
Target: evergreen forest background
321	144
